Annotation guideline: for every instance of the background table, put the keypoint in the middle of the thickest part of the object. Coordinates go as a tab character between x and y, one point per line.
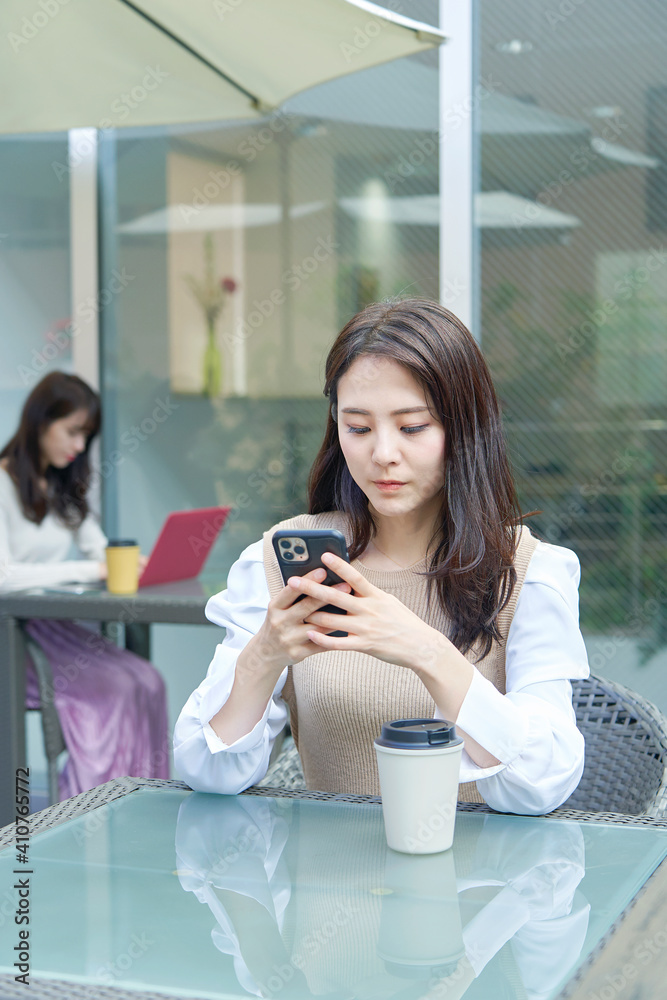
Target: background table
133	884
173	603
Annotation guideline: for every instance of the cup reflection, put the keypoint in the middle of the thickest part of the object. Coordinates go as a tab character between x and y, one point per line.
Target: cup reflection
420	926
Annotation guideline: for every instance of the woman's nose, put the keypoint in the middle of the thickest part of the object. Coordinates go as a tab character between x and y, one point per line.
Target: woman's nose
386	449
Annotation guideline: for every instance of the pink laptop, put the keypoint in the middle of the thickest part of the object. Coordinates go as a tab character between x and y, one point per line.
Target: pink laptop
182	546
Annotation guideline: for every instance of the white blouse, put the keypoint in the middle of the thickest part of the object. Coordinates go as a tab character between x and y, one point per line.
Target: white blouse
36	555
531	729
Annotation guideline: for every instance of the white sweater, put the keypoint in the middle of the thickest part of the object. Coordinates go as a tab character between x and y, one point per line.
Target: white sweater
36	555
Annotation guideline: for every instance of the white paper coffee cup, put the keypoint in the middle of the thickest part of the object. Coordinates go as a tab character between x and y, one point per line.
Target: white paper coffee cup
418	763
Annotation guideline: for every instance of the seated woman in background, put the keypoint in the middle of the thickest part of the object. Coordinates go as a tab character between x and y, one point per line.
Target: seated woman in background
454	609
111	703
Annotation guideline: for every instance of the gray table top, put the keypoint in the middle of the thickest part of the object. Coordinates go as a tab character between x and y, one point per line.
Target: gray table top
181	602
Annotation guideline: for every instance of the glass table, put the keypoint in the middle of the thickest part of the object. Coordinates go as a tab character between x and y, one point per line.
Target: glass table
149	889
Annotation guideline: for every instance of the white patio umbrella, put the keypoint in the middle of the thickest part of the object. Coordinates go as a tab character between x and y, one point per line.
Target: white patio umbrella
523	145
497	213
114	63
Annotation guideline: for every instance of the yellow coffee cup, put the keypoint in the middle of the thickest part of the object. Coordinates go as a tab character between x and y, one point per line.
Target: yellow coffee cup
122	566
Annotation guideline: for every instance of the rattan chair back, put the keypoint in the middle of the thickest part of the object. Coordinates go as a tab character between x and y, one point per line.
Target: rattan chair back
626	750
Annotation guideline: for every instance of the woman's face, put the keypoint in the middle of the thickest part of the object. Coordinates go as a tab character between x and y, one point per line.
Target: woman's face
393	446
64	439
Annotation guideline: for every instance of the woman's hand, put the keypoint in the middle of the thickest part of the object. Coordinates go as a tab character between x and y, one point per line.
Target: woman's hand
143	562
380	625
284	635
282	639
377	623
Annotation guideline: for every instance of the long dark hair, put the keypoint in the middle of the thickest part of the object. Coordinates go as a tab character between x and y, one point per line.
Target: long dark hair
472	551
55	397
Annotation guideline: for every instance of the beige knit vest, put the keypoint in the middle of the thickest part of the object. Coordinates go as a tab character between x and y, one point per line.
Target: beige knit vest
339	700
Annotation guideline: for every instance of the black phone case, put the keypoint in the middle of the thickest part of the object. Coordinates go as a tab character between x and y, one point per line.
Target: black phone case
318	540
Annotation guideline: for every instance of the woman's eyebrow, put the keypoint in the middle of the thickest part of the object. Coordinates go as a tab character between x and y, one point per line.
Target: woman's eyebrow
394	413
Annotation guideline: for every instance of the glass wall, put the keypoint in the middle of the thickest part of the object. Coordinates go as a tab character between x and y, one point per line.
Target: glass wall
236	252
35	297
34	268
573	158
242	249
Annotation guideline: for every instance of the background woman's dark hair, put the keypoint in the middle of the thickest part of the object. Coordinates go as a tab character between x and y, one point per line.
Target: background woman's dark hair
55	397
471	561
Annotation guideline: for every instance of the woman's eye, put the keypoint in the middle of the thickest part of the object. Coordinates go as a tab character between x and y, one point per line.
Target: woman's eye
414	428
358	430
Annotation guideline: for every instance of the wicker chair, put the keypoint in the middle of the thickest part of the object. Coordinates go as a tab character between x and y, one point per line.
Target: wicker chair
626	752
286	771
54	742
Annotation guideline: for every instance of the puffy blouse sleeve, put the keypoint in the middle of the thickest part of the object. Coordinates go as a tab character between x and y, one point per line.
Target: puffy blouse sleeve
531	729
200	756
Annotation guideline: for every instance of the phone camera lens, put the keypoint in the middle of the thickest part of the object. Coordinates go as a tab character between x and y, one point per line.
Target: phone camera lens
299	549
288	555
284	544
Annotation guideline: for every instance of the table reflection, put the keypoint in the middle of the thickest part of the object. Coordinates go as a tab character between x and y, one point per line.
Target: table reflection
307	907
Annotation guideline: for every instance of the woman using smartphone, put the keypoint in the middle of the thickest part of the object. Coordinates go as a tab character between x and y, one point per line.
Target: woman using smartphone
111	703
453	609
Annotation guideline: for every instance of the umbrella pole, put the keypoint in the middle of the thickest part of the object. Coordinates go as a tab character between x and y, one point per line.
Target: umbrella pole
286	313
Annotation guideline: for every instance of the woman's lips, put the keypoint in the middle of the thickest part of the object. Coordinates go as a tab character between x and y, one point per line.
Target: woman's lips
388	487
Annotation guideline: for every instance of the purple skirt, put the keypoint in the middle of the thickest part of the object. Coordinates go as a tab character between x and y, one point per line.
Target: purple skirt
111	704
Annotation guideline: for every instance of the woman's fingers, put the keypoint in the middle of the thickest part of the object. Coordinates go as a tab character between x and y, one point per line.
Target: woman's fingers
325	620
285	598
321	637
356	582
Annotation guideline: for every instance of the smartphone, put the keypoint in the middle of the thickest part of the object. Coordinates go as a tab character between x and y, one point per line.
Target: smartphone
299	552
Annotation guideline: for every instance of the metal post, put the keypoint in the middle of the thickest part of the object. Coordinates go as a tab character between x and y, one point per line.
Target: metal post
459	260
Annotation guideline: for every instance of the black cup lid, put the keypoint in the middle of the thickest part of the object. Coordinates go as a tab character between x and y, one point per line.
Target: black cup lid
116	543
417	734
